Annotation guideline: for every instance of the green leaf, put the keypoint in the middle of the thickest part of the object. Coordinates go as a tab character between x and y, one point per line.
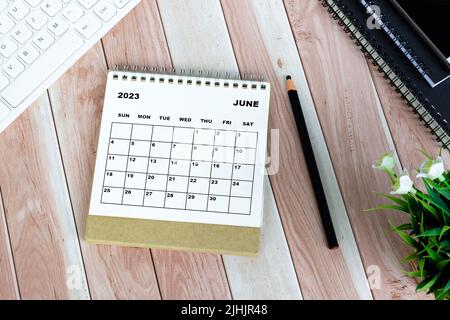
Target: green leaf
447	287
441	293
432	254
398	201
406	238
430	209
428	156
445	244
417	226
414	274
412	256
421	266
444	230
441	264
442	190
388	207
435	197
431	232
426	284
406	226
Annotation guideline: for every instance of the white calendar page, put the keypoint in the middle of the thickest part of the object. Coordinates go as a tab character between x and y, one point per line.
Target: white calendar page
182	149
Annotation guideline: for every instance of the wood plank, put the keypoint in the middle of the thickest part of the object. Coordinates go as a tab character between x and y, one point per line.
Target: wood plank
37	208
271	275
280	45
139	40
191	276
197	36
77	102
346	104
8	281
322	273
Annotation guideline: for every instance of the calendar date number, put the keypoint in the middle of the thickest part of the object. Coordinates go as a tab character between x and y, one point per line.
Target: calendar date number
128	95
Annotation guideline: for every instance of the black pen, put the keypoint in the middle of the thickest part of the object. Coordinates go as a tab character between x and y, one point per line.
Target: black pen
311	164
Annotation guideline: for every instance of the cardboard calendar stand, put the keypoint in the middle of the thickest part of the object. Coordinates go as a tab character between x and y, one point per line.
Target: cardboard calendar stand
184	175
173	235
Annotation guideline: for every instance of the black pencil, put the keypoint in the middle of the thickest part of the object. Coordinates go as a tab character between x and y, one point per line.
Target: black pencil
311	164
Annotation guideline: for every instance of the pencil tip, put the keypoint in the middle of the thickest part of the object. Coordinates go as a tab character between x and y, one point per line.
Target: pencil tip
288	77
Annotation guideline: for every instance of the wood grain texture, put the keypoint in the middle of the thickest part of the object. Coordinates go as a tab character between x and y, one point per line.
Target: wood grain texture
322	273
47	164
279	42
203	275
8	281
271	275
346	105
77	101
37	208
197	36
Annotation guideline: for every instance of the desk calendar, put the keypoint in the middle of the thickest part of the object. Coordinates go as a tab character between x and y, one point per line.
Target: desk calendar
180	163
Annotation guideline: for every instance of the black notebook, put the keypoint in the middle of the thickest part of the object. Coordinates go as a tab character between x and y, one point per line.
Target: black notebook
431	103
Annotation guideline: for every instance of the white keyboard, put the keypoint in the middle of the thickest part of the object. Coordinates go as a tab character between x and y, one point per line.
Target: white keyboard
41	39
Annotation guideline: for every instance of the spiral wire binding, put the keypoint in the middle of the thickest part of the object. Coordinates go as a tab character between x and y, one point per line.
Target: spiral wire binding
421	106
421	65
189	77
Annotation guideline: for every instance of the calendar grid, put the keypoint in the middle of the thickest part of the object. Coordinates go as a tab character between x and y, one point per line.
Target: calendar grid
106	162
126	169
113	154
196	210
168	167
198	144
164	125
148	164
210	173
204	194
177	167
189	174
178	175
253	179
232	172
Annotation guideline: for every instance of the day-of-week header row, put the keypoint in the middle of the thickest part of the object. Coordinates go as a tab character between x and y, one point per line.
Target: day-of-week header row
183	119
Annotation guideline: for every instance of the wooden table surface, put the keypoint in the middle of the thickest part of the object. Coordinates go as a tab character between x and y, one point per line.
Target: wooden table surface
47	161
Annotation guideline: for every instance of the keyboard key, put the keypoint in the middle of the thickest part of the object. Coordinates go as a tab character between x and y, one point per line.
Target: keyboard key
33	3
21	33
35	74
51	7
6	23
121	3
58	26
105	10
19	10
43	40
88	25
36	19
3	81
28	54
73	12
87	4
13	67
4	111
3	4
7	47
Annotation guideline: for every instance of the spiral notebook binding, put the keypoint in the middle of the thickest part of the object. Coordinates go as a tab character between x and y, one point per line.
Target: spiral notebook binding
425	111
188	77
422	66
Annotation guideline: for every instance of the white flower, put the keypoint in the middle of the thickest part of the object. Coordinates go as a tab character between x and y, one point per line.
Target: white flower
385	163
403	185
432	169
